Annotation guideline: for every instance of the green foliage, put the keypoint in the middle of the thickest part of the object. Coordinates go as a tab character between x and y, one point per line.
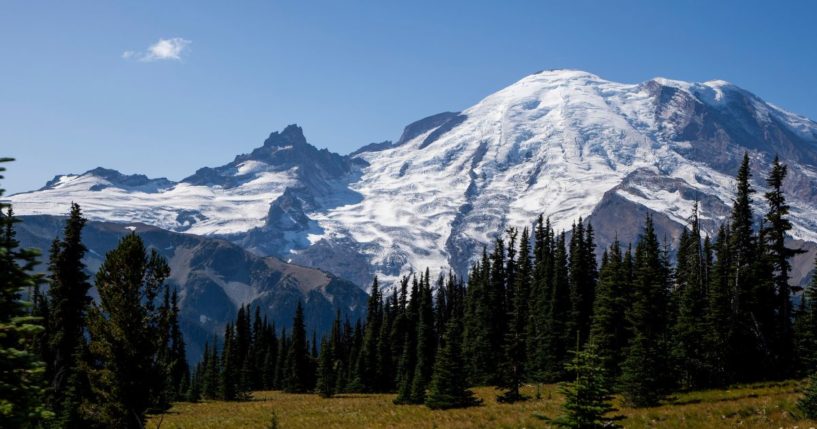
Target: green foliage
808	402
588	398
644	379
327	368
448	388
297	376
21	370
124	366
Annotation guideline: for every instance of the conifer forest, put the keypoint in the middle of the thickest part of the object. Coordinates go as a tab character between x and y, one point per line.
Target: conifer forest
642	321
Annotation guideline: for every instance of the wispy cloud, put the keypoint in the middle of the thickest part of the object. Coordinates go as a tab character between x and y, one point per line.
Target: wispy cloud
164	49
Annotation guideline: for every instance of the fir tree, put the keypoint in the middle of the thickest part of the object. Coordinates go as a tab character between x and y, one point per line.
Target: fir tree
588	398
178	369
447	388
425	343
367	376
719	320
326	371
296	379
540	296
512	369
807	328
123	329
556	333
477	334
645	367
777	228
68	303
21	372
608	329
228	389
690	324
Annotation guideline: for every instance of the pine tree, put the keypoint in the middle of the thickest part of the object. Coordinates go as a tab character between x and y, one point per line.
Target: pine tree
367	376
777	228
540	296
582	275
744	255
645	367
447	388
178	369
68	303
806	332
720	323
690	324
228	387
588	397
496	305
608	329
477	332
513	366
123	329
425	343
326	370
556	333
296	379
21	371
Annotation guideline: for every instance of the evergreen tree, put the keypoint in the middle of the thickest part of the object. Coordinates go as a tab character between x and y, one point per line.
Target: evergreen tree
496	305
807	328
540	296
477	332
582	275
326	370
229	388
808	403
743	255
68	303
645	367
425	343
588	399
123	329
211	369
513	366
780	254
296	379
556	333
406	326
690	324
178	369
448	387
21	372
367	363
608	330
720	324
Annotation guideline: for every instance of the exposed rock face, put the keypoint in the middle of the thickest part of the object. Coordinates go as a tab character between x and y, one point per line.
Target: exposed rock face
214	277
564	143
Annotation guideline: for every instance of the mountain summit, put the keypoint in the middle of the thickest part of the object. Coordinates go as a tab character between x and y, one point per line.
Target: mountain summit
564	143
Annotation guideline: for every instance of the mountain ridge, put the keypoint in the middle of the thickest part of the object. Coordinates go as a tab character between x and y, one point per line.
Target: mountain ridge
558	142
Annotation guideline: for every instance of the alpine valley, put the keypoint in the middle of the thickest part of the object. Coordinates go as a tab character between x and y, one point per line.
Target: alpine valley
563	143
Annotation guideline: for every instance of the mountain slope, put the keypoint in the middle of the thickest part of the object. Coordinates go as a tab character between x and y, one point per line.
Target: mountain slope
215	277
565	143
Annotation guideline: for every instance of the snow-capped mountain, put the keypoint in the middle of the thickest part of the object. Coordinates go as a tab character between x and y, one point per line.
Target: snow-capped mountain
564	143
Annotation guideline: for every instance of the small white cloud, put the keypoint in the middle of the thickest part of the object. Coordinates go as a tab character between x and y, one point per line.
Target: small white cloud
164	49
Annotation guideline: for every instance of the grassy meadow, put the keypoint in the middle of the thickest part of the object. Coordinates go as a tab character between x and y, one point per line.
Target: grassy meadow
769	405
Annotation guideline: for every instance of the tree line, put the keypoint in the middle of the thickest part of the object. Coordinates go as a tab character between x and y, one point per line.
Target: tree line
717	312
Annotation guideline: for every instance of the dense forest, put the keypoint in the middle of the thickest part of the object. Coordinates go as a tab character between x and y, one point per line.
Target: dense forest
538	306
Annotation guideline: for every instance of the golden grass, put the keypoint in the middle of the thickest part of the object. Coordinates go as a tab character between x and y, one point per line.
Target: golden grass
759	406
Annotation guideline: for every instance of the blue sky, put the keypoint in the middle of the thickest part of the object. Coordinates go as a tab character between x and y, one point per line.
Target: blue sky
80	88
